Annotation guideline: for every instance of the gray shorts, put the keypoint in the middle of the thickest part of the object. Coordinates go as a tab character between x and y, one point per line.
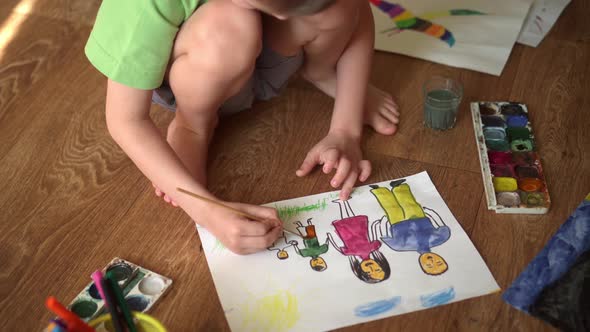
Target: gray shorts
270	76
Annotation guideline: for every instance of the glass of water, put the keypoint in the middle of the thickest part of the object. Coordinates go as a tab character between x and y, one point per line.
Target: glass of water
442	97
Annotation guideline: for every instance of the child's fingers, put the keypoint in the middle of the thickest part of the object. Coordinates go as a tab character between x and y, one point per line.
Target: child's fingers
253	228
341	172
260	242
348	185
365	170
263	212
159	192
330	160
308	164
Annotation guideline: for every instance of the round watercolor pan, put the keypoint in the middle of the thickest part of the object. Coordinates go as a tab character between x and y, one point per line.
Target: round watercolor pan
527	171
493	121
499	157
508	199
152	285
530	185
137	302
532	199
512	109
84	308
120	271
502	184
487	109
494	133
521	145
517	121
502	170
525	158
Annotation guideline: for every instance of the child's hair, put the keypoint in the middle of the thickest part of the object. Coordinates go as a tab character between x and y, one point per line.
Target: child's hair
299	7
378	257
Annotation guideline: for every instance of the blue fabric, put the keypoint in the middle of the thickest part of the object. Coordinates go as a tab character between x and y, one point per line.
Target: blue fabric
416	235
571	241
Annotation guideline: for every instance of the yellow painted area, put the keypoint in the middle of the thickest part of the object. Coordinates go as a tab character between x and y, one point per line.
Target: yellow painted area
588	197
404	16
389	204
502	184
406	199
277	312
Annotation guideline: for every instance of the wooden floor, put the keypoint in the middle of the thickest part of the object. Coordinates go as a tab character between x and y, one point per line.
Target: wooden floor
71	200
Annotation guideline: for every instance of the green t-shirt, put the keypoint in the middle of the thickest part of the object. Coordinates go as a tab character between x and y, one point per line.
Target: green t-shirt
132	40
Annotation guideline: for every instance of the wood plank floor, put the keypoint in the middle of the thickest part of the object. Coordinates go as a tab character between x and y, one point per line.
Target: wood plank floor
71	200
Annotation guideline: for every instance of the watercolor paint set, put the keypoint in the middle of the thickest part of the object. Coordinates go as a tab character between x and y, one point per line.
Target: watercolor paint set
511	167
141	289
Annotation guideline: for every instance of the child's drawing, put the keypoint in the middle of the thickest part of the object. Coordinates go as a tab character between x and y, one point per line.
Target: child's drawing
406	20
275	290
313	249
366	261
410	228
280	247
472	34
541	18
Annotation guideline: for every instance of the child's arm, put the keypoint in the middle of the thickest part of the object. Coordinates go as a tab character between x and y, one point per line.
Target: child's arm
128	121
341	147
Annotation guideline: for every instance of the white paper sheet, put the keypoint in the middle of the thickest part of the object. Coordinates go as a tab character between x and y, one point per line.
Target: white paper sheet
261	292
540	20
483	32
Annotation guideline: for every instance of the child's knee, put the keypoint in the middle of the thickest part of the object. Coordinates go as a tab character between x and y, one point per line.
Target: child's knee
224	37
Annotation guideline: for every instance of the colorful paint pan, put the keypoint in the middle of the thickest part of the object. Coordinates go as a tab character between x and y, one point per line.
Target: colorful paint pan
504	183
525	158
511	169
515	133
530	185
532	199
493	121
494	133
141	288
509	199
512	109
521	145
503	170
517	121
495	138
488	109
527	172
499	157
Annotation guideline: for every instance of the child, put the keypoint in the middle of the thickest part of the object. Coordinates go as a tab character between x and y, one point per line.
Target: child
200	56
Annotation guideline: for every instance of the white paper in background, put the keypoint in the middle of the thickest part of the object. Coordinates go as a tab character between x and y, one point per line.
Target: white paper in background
483	31
540	20
261	292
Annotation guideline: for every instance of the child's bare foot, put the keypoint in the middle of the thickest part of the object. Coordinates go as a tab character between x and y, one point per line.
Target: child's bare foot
382	112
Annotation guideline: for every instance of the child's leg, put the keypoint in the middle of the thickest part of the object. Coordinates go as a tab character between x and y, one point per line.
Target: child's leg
325	36
206	69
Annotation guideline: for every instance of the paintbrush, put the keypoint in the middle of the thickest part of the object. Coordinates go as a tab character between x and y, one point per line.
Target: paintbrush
236	211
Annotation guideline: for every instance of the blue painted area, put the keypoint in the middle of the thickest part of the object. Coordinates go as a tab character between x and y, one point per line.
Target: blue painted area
437	298
376	308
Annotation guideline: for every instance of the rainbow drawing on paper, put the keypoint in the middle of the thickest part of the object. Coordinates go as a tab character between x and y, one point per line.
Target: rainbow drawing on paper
406	20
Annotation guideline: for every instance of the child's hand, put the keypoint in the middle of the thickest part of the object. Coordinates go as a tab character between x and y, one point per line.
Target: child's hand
342	152
239	234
